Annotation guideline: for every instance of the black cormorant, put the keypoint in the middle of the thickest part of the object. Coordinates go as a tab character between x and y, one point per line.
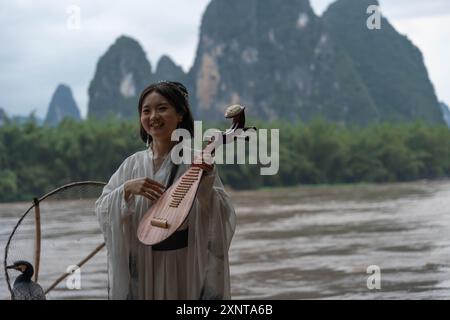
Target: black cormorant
24	288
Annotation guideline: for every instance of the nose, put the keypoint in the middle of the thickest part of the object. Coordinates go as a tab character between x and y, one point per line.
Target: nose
154	115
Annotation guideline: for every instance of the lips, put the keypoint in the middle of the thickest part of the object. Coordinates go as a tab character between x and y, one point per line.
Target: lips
156	124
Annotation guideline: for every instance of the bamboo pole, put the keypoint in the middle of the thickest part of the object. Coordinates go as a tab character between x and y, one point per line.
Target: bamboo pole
80	264
37	243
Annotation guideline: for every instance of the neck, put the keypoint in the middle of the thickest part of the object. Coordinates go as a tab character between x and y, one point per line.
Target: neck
23	278
161	148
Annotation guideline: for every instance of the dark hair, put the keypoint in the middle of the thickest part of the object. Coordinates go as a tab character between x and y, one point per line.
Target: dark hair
177	95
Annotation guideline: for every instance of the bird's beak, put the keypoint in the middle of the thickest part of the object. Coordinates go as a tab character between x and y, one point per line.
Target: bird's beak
11	267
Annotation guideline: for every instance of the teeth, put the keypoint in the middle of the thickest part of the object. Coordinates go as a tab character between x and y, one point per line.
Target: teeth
156	125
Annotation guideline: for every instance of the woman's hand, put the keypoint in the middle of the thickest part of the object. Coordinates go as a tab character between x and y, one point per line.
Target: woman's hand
207	163
145	187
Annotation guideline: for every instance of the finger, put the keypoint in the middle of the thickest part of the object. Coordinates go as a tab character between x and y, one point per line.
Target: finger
148	191
208	159
147	196
205	167
154	197
155	192
205	157
206	164
155	183
153	187
198	160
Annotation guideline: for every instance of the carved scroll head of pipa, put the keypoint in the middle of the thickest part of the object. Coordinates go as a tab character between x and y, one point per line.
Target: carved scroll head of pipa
233	111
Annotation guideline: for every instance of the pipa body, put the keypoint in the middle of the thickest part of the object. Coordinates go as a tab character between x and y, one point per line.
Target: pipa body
171	209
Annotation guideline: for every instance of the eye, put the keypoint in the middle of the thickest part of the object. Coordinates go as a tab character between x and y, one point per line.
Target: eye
162	108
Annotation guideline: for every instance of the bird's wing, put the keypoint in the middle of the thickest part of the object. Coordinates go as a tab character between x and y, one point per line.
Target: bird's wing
21	291
28	291
37	292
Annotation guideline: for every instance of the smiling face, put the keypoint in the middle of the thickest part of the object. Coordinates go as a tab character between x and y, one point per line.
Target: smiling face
158	117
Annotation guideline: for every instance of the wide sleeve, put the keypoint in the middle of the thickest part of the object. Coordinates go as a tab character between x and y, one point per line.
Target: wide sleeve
111	206
111	210
219	223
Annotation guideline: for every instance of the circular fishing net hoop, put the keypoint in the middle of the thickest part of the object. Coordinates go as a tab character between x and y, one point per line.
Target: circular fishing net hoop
59	235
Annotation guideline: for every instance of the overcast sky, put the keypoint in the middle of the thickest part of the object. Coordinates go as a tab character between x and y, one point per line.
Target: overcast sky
38	49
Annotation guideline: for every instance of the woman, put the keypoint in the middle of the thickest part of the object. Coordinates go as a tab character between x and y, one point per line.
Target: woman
193	262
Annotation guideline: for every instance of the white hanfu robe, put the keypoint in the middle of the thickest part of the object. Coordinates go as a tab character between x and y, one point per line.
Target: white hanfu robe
135	271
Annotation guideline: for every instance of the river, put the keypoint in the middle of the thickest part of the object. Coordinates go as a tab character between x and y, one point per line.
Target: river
385	241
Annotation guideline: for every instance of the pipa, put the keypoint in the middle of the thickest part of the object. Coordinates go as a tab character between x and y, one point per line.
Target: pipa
168	213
